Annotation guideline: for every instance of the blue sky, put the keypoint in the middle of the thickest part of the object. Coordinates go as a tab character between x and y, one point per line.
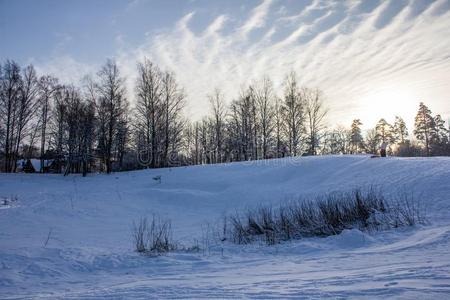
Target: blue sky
371	58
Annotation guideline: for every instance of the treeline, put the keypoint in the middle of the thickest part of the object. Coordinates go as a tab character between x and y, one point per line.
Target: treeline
431	137
69	125
92	126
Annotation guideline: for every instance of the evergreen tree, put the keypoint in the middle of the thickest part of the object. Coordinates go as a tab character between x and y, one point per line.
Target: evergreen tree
384	132
424	126
400	130
440	133
440	141
356	139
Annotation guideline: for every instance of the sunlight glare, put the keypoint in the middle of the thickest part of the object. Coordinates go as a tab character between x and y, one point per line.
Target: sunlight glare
388	102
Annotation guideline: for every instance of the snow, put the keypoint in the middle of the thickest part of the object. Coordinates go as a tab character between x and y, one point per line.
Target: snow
89	253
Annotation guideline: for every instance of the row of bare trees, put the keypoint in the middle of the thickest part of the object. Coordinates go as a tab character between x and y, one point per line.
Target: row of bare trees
258	124
73	124
158	122
19	91
92	125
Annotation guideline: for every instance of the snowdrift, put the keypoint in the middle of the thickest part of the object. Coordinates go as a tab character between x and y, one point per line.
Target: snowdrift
70	237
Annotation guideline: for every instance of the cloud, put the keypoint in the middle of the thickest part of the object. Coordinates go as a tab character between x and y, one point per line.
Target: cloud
257	18
67	69
371	62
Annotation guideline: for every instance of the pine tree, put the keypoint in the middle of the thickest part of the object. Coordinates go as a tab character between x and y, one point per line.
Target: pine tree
424	126
440	133
400	131
439	140
356	139
384	132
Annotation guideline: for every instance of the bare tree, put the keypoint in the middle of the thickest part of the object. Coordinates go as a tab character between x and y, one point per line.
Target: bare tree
197	143
27	106
18	91
337	141
73	129
149	91
372	142
86	134
242	128
47	86
294	114
315	113
111	106
58	125
189	144
172	105
279	124
122	138
264	95
9	99
218	108
74	105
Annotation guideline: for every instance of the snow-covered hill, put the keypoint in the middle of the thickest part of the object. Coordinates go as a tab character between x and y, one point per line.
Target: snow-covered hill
86	226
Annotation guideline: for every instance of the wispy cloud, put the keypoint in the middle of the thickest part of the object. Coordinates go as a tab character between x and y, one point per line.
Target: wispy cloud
370	61
66	68
257	18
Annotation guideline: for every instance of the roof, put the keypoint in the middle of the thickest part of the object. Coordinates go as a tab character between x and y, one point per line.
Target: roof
36	163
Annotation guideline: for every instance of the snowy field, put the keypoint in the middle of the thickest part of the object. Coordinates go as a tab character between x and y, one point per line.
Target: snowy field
70	237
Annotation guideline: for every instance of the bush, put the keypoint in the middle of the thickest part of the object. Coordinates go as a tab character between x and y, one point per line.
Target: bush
139	235
321	216
405	210
153	238
8	201
324	216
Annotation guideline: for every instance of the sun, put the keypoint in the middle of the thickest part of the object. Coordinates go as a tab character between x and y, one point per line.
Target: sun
387	102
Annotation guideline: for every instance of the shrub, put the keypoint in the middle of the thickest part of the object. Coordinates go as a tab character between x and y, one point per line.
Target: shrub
153	238
407	211
139	233
324	216
8	201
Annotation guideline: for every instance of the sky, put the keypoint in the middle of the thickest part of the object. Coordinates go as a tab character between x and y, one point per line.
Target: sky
371	58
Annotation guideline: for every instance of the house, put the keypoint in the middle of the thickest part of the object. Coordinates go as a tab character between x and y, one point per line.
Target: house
33	165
